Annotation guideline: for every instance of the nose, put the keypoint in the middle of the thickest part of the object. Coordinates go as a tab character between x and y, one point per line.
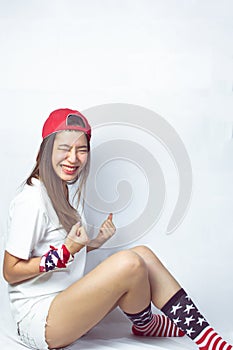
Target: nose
72	155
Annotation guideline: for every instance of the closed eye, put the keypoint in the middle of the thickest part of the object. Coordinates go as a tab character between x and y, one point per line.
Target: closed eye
82	149
63	149
67	148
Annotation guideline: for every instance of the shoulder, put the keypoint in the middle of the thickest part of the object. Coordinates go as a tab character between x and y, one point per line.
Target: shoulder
29	191
29	196
35	201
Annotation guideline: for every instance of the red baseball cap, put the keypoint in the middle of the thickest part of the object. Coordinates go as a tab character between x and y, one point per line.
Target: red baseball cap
66	119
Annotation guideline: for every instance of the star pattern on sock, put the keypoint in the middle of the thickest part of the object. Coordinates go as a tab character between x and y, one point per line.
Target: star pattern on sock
200	321
187	315
190	331
189	308
176	321
175	308
188	320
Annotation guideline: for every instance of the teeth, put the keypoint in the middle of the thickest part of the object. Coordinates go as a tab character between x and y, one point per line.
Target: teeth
70	167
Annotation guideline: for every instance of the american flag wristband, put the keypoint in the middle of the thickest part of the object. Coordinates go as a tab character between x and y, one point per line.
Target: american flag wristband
55	258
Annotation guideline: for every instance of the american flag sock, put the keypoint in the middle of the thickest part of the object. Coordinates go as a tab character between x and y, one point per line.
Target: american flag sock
147	324
182	311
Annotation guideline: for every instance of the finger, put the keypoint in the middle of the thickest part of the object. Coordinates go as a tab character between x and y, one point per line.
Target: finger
108	231
77	225
82	232
108	225
74	228
110	216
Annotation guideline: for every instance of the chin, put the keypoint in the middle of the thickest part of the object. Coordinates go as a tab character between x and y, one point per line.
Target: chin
70	182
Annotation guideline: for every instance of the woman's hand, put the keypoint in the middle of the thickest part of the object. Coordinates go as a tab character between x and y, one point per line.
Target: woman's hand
106	231
76	239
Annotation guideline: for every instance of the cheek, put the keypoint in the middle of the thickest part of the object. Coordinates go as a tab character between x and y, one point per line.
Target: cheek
57	158
53	160
84	159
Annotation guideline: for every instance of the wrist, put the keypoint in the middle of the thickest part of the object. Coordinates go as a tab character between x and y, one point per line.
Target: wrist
56	257
73	247
94	243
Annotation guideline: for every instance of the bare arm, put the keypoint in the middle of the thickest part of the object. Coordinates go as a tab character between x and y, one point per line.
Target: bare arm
16	270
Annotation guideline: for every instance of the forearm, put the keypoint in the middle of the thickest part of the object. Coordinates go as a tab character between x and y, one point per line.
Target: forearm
16	270
94	244
20	270
90	248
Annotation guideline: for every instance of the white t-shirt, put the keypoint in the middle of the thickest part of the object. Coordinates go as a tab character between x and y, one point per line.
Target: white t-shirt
33	226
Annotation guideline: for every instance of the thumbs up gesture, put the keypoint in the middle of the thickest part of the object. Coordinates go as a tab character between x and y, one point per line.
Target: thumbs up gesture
106	231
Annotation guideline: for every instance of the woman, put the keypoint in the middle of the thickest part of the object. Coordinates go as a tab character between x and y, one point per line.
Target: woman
52	302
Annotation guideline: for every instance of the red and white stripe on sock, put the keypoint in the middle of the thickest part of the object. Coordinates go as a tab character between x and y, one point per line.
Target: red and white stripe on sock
159	326
147	324
208	339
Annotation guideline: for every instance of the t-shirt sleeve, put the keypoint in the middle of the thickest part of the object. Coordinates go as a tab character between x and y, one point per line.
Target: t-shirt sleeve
26	225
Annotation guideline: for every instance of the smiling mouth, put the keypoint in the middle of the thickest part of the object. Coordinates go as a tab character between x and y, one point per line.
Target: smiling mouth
69	169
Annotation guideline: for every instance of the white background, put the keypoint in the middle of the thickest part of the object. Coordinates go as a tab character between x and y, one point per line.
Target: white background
172	56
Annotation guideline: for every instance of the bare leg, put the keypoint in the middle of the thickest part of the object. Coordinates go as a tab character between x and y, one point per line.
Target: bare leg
163	284
121	279
168	295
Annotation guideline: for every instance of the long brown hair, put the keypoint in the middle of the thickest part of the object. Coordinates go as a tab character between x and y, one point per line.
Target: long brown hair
57	188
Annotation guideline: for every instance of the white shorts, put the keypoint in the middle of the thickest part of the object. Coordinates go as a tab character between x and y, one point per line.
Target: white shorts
31	329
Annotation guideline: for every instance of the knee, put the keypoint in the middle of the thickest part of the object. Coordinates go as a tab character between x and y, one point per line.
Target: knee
131	262
146	253
143	250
